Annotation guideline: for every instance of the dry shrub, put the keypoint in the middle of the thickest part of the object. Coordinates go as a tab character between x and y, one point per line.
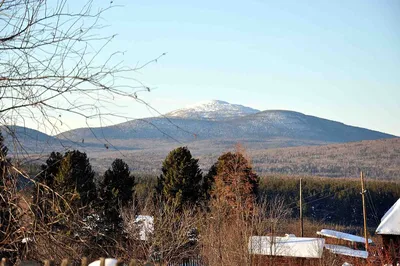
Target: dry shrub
225	238
175	234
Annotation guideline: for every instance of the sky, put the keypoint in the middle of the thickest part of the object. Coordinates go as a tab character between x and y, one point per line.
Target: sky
338	60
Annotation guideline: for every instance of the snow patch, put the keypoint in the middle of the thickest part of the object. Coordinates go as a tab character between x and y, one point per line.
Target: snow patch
342	250
213	110
343	236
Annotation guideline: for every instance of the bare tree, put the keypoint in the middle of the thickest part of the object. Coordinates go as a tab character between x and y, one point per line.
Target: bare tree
53	63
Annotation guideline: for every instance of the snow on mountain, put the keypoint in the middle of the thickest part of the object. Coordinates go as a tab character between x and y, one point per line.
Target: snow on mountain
212	110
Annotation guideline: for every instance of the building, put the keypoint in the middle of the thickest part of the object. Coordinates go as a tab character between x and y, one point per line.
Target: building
389	230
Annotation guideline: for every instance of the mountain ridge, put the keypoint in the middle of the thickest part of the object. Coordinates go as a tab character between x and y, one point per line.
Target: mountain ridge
212	110
256	125
269	128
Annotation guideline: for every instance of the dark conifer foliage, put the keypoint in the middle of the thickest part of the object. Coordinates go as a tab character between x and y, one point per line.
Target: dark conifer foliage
116	191
69	175
180	181
50	169
208	182
80	176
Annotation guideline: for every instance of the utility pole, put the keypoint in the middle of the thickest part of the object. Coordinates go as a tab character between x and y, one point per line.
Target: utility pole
301	210
363	191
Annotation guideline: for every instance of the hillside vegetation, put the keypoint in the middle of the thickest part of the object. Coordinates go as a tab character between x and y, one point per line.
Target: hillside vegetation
379	159
333	201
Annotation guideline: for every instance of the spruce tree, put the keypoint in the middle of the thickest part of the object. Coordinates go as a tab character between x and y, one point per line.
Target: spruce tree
116	190
180	181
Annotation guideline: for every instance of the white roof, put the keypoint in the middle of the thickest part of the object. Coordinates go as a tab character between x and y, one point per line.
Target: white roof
108	262
146	226
301	247
342	250
343	236
390	222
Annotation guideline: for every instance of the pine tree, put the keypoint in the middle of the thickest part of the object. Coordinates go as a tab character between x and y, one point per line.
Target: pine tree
116	191
50	169
180	181
71	175
81	176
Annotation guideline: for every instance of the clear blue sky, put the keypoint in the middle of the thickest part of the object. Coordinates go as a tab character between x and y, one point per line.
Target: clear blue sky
338	60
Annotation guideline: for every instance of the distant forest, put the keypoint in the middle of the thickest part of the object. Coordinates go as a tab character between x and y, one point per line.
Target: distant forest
327	200
336	200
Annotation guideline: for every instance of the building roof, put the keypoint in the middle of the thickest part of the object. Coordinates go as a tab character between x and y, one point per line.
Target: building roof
342	236
289	246
346	251
390	222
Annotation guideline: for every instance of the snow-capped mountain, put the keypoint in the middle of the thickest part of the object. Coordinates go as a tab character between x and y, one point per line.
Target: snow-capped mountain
258	127
208	128
213	110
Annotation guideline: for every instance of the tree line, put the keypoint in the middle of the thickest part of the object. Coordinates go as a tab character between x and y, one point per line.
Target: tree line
68	205
68	212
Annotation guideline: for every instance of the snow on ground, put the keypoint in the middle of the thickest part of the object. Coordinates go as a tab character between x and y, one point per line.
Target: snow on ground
342	250
343	236
146	226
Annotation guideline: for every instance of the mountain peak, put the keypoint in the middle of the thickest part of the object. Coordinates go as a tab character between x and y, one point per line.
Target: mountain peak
213	110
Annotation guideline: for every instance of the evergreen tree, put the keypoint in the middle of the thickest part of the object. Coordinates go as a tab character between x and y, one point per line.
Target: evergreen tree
50	169
79	176
180	181
208	182
116	190
68	174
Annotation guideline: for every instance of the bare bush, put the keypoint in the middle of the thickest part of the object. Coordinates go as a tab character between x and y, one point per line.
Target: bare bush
174	236
225	239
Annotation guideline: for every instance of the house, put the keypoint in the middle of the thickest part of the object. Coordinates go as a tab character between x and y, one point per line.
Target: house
389	230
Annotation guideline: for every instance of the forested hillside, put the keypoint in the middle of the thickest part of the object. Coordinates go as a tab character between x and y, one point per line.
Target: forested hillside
336	201
379	159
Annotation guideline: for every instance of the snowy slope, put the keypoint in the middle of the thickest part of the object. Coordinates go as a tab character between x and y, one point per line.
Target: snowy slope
260	126
213	110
